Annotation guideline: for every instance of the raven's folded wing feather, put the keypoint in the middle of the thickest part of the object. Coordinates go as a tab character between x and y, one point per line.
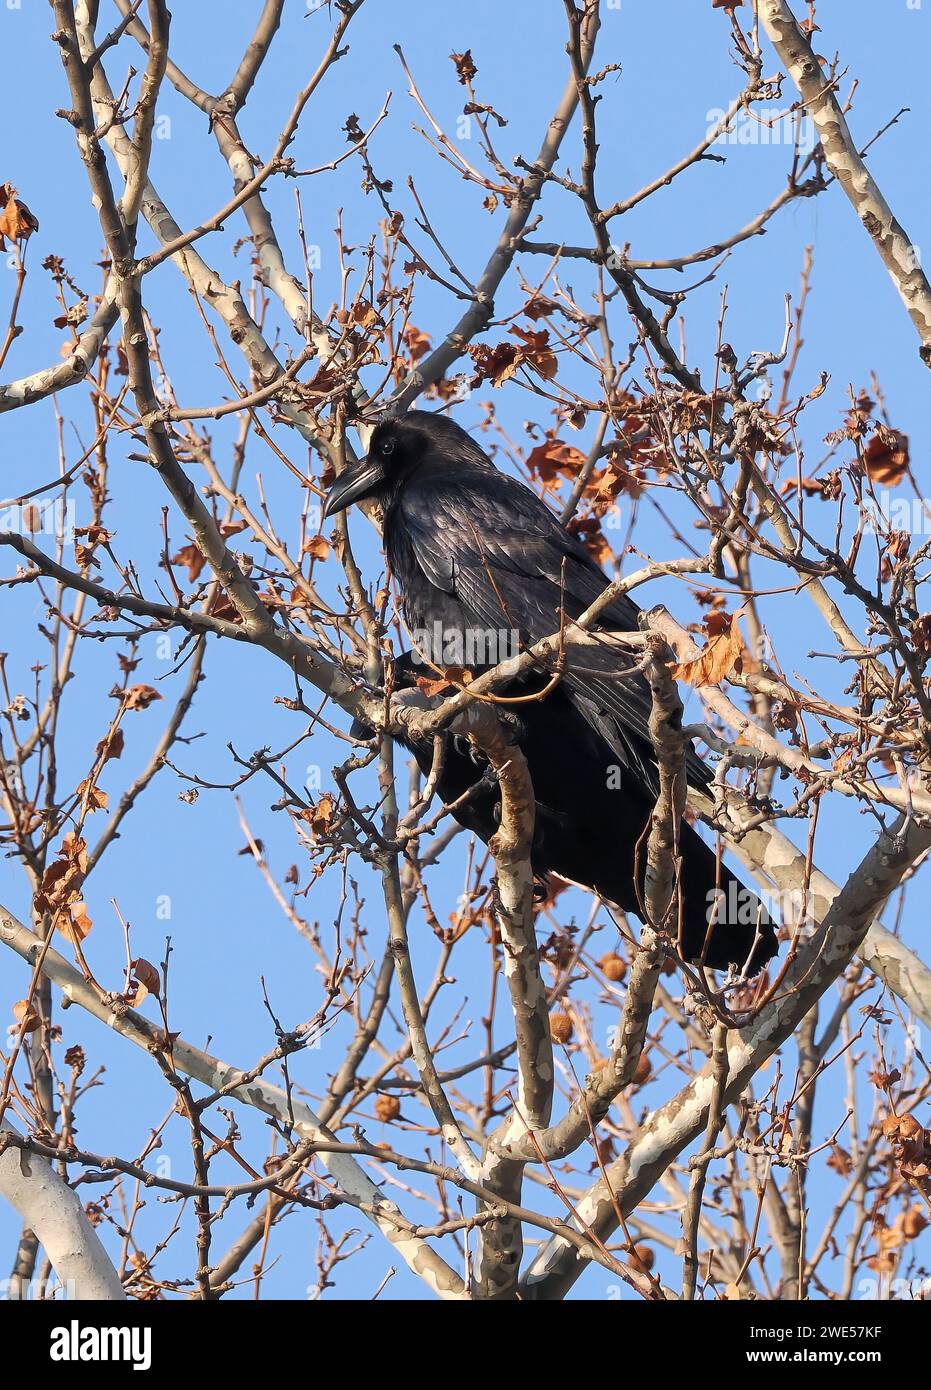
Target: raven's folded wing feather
499	550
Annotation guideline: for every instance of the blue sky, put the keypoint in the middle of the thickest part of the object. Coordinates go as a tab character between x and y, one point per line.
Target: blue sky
675	73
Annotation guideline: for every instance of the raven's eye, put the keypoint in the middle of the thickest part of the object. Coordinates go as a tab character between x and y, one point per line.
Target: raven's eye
388	446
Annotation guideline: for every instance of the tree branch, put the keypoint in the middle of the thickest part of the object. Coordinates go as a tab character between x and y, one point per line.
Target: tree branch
220	1076
897	250
50	1208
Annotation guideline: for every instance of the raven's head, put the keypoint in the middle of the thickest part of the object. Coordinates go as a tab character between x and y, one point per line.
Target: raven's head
399	444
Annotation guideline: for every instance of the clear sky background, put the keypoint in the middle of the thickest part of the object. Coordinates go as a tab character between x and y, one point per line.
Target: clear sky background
675	73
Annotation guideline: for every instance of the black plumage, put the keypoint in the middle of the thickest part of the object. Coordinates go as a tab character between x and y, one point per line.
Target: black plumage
476	554
588	824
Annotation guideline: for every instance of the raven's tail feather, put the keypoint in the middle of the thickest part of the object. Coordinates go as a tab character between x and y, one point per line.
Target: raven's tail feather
723	922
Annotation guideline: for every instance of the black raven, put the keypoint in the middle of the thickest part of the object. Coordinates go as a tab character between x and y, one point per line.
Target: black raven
485	569
586	827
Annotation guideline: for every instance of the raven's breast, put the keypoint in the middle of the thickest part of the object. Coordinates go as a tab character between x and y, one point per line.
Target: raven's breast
440	627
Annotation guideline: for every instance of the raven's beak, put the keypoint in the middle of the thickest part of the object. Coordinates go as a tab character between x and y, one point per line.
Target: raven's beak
355	483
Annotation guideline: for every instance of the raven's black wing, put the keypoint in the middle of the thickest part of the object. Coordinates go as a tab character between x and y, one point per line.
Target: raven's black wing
493	545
